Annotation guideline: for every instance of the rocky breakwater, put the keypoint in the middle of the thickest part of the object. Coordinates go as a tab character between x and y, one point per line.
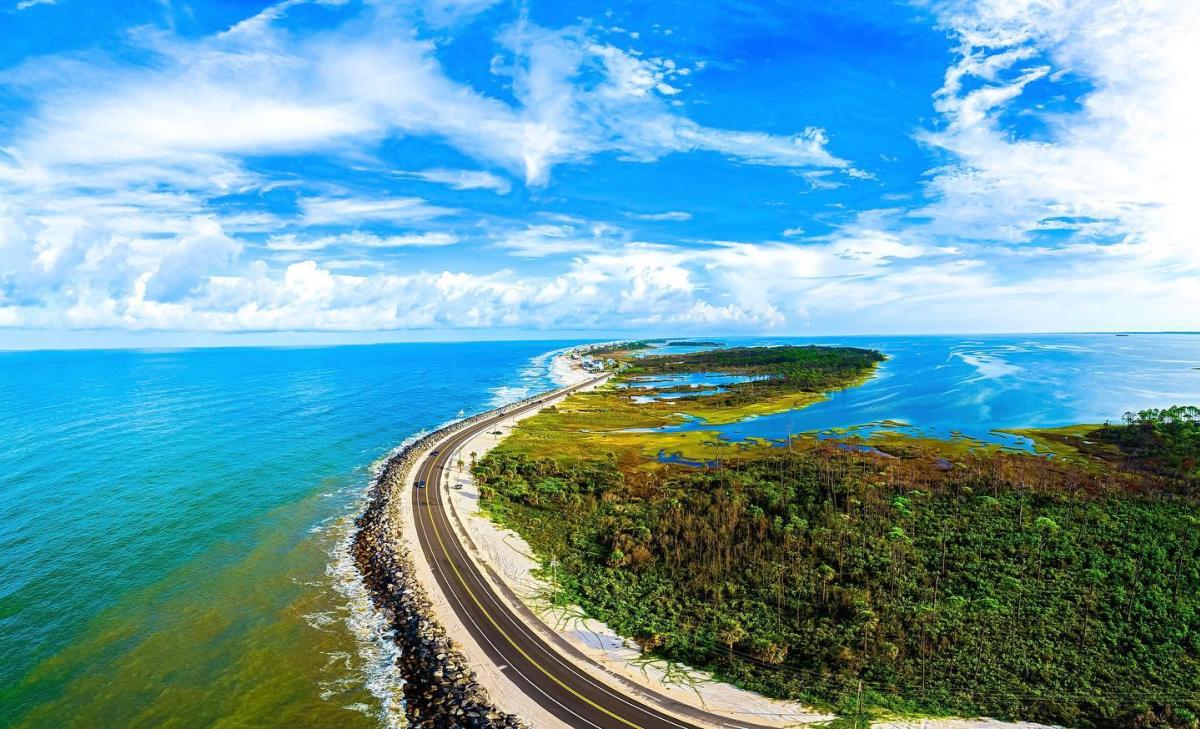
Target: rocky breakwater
440	690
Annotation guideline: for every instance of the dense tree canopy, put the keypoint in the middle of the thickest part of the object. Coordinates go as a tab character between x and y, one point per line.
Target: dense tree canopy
1008	585
1167	439
810	368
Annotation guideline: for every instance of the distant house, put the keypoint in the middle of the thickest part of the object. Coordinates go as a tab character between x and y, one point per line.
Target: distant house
592	365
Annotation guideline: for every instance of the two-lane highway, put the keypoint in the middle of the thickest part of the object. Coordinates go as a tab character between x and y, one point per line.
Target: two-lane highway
505	632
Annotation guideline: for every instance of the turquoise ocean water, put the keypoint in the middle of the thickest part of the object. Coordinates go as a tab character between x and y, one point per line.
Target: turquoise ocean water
172	522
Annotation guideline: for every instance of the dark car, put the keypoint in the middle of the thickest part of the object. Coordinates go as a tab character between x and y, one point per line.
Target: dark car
434	453
421	484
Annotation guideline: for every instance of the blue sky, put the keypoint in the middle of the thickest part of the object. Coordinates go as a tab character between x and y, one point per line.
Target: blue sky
319	170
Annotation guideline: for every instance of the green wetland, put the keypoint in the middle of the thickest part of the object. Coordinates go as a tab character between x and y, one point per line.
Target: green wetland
1047	574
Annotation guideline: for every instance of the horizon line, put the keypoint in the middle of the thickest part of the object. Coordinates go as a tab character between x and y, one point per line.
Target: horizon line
551	337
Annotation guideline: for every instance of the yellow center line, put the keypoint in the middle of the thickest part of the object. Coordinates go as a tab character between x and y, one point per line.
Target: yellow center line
437	532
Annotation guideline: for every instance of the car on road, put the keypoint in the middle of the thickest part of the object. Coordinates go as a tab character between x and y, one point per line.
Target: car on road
435	452
421	484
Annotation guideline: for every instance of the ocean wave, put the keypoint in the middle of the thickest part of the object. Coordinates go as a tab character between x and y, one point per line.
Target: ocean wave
542	372
319	620
377	651
506	394
376	648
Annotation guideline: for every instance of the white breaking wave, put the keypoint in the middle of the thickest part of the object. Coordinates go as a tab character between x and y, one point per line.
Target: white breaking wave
508	394
542	372
377	650
376	647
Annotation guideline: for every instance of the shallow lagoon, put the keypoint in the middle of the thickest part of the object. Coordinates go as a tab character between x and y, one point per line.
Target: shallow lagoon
688	379
951	386
678	395
684	385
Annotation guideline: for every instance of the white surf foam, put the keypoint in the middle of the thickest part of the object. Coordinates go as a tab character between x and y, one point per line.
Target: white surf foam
508	394
376	648
377	651
542	372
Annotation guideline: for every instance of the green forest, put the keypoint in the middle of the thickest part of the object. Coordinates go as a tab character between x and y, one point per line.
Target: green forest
1009	585
1160	440
806	368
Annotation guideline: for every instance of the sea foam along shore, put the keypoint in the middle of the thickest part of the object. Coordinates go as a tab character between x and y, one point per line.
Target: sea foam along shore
439	687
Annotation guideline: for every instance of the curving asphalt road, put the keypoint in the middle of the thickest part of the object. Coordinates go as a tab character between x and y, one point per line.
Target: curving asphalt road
539	670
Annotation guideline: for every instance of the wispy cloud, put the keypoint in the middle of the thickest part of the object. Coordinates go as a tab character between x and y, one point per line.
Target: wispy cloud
461	179
1124	155
443	13
672	215
543	240
350	210
358	239
25	4
257	89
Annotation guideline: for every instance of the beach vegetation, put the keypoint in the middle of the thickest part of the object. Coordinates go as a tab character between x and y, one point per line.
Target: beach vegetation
1010	585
